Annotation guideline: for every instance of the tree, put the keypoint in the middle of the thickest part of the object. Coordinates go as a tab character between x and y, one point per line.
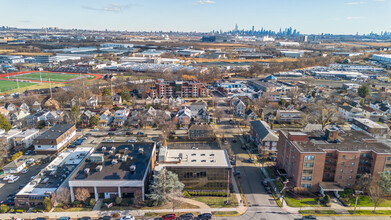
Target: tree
165	186
323	113
94	121
4	208
75	114
363	183
125	96
47	204
63	196
4	123
385	182
106	92
376	194
92	202
118	200
363	91
82	194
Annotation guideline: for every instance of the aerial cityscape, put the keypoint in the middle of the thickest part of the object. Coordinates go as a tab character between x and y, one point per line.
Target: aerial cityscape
203	109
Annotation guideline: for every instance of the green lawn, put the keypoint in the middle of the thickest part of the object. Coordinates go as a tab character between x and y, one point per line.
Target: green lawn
370	212
73	209
56	77
307	202
217	202
365	201
227	213
317	212
6	85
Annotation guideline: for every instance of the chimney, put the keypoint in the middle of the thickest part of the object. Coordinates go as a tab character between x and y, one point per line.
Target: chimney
331	134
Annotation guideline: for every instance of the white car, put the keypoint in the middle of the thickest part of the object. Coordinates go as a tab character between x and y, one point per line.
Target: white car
30	161
14	179
8	177
127	218
25	170
132	140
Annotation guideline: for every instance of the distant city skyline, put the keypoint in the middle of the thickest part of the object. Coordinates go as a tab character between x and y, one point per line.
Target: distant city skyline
308	17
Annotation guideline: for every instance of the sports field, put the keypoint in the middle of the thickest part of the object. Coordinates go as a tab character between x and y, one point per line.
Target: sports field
55	77
6	85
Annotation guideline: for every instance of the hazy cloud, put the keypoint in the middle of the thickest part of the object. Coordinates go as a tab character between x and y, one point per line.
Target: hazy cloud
108	8
354	18
205	2
355	3
24	21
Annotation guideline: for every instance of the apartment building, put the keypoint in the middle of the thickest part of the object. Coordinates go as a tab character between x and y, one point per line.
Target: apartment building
187	89
288	116
370	127
263	136
55	138
330	160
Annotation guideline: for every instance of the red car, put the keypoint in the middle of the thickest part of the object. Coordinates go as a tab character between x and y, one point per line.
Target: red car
113	129
169	217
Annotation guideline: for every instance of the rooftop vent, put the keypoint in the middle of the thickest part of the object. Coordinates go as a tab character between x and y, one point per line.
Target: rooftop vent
87	170
111	152
141	151
202	155
133	168
193	160
104	148
124	158
99	168
118	156
212	155
212	161
114	161
203	161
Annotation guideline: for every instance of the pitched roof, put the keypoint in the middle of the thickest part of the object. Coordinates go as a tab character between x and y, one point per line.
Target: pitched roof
263	131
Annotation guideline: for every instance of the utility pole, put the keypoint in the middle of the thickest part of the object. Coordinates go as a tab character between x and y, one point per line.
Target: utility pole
17	82
50	85
227	202
355	204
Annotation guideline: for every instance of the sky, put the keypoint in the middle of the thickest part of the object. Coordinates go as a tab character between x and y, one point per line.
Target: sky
307	16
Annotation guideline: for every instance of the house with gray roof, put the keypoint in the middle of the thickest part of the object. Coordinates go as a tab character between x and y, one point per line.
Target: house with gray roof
263	136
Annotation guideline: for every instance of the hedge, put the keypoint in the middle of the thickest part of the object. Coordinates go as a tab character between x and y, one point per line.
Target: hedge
217	194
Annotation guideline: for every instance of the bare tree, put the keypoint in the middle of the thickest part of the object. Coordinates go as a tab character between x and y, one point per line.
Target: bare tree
82	194
63	196
323	113
376	194
363	183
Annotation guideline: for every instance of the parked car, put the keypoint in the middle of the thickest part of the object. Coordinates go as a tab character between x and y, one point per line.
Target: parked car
111	133
233	162
265	183
140	133
40	218
13	179
234	141
128	217
30	161
8	177
119	133
95	129
84	218
25	170
64	218
309	217
132	140
128	133
113	129
250	160
105	218
187	216
169	217
268	190
205	216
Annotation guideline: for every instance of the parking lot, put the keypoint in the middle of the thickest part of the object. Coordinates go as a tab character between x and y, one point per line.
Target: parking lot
9	188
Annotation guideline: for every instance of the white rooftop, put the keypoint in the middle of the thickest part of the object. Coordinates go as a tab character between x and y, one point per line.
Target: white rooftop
195	158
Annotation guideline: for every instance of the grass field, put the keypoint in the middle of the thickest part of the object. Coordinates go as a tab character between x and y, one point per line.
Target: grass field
6	85
55	77
365	201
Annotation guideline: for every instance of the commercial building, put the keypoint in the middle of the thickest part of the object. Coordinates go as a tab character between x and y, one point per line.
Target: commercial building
55	138
53	177
116	169
288	116
292	53
330	160
272	85
202	169
287	44
340	75
370	127
382	58
178	89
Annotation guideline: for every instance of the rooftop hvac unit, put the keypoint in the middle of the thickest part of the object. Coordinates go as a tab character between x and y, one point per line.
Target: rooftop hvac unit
141	151
104	148
111	152
87	170
114	161
118	156
99	168
124	158
133	168
96	158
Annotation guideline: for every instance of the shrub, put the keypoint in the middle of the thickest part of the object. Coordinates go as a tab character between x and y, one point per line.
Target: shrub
92	202
115	215
76	203
326	199
126	202
47	204
186	194
118	200
108	201
3	208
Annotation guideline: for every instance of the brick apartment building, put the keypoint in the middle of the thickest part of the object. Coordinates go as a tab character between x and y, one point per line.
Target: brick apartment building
330	160
178	89
55	138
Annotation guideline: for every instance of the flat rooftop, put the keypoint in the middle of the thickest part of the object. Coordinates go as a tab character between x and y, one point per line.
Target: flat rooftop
55	131
368	122
118	157
54	174
196	158
347	141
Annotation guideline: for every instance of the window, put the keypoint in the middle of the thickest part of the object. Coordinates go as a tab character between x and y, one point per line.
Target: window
352	163
306	185
351	171
193	154
307	171
212	155
306	178
202	155
309	157
343	157
341	171
388	158
342	163
350	177
308	164
354	156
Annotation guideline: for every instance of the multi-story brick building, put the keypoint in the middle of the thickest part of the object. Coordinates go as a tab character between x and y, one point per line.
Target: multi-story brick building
330	160
55	138
178	89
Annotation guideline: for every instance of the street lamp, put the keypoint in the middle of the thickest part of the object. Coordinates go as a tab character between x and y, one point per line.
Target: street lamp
357	192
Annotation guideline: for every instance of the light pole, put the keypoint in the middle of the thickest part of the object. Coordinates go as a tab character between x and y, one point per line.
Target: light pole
355	204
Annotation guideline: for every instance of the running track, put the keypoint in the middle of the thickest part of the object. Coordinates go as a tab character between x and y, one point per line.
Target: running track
4	76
